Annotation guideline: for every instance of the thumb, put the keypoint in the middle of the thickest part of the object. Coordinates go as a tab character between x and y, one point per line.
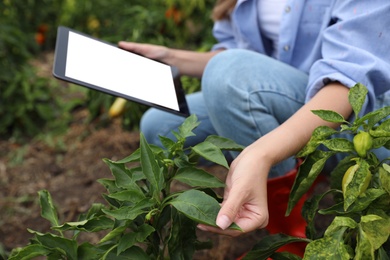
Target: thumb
228	213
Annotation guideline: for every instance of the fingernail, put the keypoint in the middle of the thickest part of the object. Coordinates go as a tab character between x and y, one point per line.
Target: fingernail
223	222
201	227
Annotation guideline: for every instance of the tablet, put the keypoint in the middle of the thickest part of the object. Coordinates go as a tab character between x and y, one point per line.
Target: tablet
95	64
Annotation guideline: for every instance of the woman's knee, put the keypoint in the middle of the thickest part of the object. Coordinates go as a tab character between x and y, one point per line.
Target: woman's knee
234	72
234	75
222	68
227	80
216	77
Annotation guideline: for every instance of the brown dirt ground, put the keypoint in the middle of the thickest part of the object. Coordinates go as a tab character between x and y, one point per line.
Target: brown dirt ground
70	173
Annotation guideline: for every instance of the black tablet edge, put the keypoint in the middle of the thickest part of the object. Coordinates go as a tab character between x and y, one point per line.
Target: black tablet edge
59	73
60	52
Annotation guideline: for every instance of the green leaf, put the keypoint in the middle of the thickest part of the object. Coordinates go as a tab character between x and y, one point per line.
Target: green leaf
189	124
268	245
151	169
307	174
309	211
370	117
182	238
86	251
356	96
198	206
64	246
340	145
376	228
132	196
94	210
349	128
123	176
379	142
126	242
362	202
130	239
109	184
135	156
383	130
382	254
113	234
48	210
198	178
90	225
366	199
364	249
163	217
121	173
357	184
29	252
337	208
211	152
130	212
332	245
386	167
330	116
134	252
340	223
319	134
168	143
376	116
109	253
182	160
224	143
384	176
327	248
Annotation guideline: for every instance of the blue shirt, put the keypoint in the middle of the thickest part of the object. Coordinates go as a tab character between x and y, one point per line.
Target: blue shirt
332	40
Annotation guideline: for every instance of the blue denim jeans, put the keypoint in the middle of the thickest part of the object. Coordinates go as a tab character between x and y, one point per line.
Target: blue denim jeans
244	96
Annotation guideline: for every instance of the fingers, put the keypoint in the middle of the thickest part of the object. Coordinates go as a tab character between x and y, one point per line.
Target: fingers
250	214
246	209
229	212
245	198
133	47
227	232
151	51
248	220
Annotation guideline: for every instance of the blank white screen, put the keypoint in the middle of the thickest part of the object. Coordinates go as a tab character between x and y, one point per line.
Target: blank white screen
120	71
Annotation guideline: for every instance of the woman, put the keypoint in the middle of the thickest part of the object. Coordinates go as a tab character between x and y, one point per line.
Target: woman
275	61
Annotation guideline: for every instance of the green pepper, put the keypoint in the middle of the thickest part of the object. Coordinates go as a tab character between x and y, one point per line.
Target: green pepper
348	176
362	143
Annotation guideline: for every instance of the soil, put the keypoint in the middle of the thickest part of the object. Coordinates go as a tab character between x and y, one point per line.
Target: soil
69	170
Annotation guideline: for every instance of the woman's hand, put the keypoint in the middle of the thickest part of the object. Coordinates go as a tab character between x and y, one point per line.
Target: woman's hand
190	63
245	196
155	52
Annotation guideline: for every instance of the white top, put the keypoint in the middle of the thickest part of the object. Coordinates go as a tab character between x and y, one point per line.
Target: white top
270	15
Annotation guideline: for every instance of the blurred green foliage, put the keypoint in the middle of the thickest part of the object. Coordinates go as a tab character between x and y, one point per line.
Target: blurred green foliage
30	103
175	23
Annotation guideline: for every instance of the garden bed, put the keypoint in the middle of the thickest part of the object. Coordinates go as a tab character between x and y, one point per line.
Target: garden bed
69	172
69	169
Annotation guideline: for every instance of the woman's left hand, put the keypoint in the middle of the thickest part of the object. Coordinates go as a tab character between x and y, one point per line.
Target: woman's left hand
245	196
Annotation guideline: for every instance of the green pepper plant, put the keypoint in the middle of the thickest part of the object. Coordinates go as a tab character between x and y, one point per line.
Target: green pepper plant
359	184
144	217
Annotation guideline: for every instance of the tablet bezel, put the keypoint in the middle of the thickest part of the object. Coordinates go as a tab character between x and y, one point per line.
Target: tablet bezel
59	67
